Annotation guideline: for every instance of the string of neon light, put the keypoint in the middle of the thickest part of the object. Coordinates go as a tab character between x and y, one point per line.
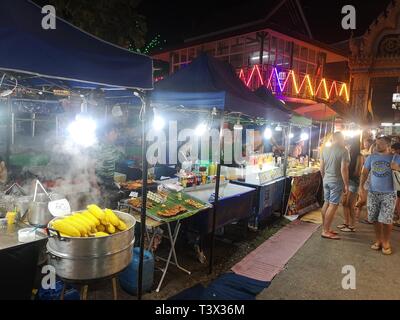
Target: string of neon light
277	79
306	81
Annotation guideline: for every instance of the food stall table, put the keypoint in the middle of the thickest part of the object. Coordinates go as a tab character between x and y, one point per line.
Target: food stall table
268	199
304	193
172	236
18	262
235	204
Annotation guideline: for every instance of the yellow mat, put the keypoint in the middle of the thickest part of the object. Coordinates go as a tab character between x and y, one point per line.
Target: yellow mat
313	217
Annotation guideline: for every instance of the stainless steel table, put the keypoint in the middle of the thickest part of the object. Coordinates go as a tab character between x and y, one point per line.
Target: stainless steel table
9	235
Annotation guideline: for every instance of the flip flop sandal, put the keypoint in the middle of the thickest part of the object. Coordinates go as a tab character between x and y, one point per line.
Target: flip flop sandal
341	226
348	229
376	246
387	251
332	237
333	232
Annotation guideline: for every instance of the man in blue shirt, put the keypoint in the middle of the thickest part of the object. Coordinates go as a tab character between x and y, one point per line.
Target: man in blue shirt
381	194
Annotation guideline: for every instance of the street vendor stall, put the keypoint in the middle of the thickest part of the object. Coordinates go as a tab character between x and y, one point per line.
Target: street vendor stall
42	62
266	171
303	171
211	84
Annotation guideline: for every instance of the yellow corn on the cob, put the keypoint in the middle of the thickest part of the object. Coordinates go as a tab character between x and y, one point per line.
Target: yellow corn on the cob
91	217
112	217
96	211
122	225
110	228
82	230
84	222
101	234
65	228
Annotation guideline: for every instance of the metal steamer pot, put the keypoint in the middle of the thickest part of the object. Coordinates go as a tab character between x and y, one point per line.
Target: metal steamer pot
38	212
93	257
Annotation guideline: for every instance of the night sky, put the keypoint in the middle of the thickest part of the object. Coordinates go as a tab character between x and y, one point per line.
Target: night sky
176	20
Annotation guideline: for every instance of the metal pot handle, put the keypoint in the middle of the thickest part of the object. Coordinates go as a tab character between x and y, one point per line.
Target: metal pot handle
52	256
53	233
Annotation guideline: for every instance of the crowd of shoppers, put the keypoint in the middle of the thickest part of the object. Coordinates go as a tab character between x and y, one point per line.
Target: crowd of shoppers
358	173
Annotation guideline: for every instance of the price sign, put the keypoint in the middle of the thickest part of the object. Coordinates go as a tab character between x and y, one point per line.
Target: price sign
264	177
133	194
59	208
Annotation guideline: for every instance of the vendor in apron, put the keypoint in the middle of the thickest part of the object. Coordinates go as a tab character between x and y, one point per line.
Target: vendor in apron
106	156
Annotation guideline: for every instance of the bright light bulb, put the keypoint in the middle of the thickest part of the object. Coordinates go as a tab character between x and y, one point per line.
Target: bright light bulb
267	133
278	128
158	123
201	129
304	136
291	135
83	131
328	144
238	126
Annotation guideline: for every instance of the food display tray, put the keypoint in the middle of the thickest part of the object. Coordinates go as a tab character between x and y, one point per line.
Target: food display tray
173	201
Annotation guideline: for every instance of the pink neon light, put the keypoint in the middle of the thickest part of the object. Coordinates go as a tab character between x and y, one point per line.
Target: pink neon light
252	73
242	76
333	85
259	75
269	81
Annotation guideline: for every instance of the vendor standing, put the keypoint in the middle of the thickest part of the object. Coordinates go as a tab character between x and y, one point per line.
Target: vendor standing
3	173
106	156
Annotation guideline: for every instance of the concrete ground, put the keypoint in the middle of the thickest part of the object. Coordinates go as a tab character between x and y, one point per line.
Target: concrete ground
315	271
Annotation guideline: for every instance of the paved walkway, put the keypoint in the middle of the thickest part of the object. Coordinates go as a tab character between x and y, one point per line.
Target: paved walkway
315	270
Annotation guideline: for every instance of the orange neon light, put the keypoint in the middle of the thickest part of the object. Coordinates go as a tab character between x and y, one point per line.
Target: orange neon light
344	88
326	89
242	76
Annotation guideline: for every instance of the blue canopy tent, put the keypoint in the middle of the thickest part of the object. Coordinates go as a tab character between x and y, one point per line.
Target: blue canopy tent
208	82
65	53
267	96
68	57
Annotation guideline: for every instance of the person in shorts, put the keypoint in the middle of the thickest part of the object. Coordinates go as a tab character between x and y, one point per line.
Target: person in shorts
382	197
396	220
349	200
335	174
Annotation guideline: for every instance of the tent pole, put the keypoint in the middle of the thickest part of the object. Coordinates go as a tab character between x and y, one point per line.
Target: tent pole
217	181
10	135
144	194
319	138
309	147
285	165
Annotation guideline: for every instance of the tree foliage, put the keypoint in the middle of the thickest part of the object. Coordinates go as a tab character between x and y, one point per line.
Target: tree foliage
116	21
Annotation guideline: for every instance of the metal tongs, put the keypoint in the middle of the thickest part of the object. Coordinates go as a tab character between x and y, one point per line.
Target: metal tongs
38	183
